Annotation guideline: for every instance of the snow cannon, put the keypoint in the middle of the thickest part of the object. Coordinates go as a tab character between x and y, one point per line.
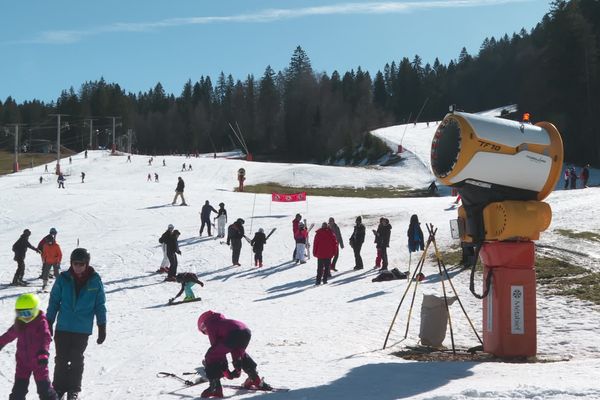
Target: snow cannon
491	160
502	170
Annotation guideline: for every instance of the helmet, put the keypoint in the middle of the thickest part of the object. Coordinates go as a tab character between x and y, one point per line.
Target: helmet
53	231
261	230
202	320
170	227
221	204
80	254
27	232
27	307
241	221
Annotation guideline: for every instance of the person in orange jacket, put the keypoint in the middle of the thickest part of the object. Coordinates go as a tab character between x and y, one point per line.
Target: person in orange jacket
51	258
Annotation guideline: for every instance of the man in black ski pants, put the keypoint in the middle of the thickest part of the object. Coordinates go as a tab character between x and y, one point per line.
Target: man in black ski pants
205	217
172	249
384	241
235	233
76	298
20	248
356	241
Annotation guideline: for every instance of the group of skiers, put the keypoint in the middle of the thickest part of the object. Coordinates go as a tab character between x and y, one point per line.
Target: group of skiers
77	299
570	177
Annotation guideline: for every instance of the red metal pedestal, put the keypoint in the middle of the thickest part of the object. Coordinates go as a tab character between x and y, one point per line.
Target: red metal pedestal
509	310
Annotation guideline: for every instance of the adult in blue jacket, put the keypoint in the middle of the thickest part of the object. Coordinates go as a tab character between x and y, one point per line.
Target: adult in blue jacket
76	298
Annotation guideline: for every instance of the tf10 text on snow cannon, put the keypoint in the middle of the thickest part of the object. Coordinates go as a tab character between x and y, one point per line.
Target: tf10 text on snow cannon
502	170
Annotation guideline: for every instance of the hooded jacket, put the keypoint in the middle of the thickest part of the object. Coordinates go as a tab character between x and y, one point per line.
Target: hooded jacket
76	309
33	340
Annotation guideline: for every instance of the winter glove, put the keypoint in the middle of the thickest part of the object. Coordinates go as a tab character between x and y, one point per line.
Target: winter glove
232	374
101	334
178	252
201	284
42	358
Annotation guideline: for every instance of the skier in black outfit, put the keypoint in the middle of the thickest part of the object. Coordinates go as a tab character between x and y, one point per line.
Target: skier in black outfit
187	280
172	249
258	242
235	233
356	241
383	241
205	217
179	191
20	248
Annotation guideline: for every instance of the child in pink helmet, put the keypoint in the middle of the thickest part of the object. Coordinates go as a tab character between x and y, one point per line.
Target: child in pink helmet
33	342
227	336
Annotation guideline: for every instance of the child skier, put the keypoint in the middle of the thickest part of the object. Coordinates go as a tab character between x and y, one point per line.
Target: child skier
258	242
301	237
416	241
187	280
33	342
51	258
227	336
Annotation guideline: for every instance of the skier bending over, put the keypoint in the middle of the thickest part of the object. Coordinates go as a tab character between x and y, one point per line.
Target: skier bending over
187	280
227	336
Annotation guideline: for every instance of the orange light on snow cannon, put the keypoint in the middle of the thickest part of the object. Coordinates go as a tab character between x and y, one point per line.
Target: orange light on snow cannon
526	117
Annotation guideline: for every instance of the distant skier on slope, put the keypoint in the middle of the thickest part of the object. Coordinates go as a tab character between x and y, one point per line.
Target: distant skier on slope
20	249
295	223
235	233
338	235
164	265
187	280
221	220
207	209
179	192
227	336
301	238
356	241
172	251
324	248
258	243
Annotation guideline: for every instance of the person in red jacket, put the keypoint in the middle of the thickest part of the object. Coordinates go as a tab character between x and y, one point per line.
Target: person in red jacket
227	336
324	248
51	258
33	343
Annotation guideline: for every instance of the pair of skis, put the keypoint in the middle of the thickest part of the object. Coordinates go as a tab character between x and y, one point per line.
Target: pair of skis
200	380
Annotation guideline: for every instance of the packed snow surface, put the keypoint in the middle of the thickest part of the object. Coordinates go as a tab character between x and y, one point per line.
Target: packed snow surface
323	342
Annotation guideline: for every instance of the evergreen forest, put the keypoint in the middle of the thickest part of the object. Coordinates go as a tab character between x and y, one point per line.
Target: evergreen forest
300	114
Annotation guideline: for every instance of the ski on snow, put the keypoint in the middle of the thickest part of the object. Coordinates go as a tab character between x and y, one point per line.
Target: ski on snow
200	380
174	303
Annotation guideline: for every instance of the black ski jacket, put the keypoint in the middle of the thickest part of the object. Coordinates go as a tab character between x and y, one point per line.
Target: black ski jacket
205	213
235	232
20	247
383	238
258	242
358	235
180	186
164	237
172	245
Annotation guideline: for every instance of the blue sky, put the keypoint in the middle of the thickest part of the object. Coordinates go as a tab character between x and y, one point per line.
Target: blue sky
48	46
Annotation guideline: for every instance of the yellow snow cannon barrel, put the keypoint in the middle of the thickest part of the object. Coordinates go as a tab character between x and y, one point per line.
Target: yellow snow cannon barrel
526	158
502	169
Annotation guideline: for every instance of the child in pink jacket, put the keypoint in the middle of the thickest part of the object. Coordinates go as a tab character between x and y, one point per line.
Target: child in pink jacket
33	341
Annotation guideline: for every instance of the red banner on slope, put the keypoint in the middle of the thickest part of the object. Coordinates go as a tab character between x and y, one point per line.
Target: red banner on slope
288	197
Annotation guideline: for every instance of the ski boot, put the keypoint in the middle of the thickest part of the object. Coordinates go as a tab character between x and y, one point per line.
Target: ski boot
214	389
256	383
188	298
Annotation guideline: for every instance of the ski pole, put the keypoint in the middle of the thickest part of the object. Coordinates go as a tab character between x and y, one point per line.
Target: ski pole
171	375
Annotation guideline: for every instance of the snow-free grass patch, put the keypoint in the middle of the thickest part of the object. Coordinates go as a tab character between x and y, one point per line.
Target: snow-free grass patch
367	192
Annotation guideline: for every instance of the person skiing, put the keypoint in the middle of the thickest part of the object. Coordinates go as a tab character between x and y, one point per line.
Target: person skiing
41	179
324	248
20	249
338	235
32	332
164	163
172	251
356	241
227	336
573	176
179	192
205	217
416	241
183	167
164	265
155	177
235	233
149	177
301	238
295	223
376	241
383	241
566	177
187	280
258	242
221	220
51	235
585	175
76	298
85	154
61	181
51	258
128	157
